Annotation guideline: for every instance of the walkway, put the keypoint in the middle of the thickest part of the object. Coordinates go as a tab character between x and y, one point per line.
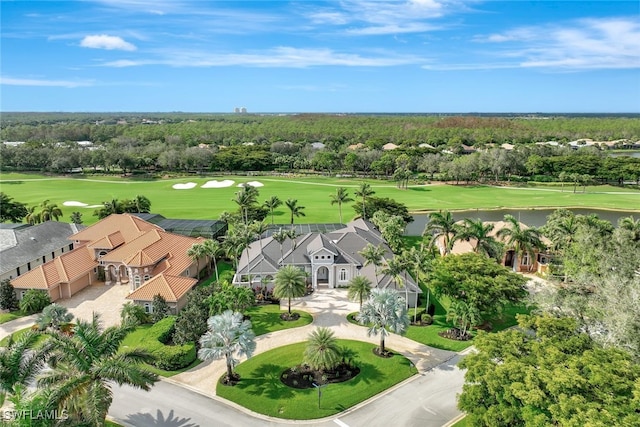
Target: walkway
329	309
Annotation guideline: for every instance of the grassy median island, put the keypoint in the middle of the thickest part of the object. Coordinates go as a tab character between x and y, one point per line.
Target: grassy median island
265	318
311	192
261	390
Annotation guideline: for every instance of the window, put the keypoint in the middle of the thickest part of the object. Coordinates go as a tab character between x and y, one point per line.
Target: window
526	259
18	271
148	308
22	293
53	255
146	277
343	275
316	257
102	253
136	281
62	250
28	266
44	259
71	247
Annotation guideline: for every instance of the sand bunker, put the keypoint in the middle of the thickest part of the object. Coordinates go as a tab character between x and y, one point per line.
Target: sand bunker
217	184
187	186
94	206
252	183
74	203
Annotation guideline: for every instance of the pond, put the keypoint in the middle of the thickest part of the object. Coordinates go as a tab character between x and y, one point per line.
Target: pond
635	154
531	217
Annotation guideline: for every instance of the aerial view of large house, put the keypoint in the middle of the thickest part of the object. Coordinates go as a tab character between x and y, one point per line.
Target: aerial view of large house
330	260
121	249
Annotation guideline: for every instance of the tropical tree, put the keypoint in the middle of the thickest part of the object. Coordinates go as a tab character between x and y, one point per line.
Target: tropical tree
373	255
134	314
76	217
442	224
480	233
34	300
11	210
391	227
464	315
290	282
384	311
396	268
227	334
244	199
86	364
296	210
212	249
281	236
521	239
322	352
196	252
359	289
561	228
632	226
420	262
49	211
341	196
141	204
8	299
53	316
33	217
272	204
364	191
160	308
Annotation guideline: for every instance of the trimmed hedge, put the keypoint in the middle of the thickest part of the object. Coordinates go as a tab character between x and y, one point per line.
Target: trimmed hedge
168	357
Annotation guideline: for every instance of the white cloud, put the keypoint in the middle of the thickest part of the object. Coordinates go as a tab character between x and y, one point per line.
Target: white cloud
280	57
9	81
104	41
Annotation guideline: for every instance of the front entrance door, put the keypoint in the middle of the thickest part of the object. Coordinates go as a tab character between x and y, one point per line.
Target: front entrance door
322	276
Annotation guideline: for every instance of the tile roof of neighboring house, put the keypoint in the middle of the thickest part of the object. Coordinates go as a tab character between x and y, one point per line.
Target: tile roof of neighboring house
171	288
130	226
389	146
111	241
355	146
31	242
65	268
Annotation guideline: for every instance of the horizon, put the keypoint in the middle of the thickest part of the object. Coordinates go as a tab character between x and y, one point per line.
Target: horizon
321	57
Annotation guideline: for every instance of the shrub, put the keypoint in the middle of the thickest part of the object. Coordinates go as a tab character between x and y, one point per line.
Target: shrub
34	301
426	319
160	308
173	357
8	299
164	329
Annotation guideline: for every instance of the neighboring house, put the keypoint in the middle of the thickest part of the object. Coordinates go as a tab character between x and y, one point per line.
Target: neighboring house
207	228
24	247
357	146
389	146
538	261
120	250
330	260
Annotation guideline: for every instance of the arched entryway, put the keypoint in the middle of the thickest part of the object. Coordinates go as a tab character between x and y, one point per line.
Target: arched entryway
322	276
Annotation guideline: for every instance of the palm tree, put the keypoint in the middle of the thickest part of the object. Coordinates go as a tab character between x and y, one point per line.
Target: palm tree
272	204
480	232
384	311
196	252
291	282
212	249
631	225
50	211
364	191
280	236
134	314
359	289
322	352
142	204
53	316
20	362
396	268
420	262
341	196
296	210
521	239
464	315
373	255
227	334
32	216
85	366
244	200
442	224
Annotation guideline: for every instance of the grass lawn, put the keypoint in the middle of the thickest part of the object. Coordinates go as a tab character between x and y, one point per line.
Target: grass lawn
13	315
265	318
461	423
17	335
261	390
225	270
311	192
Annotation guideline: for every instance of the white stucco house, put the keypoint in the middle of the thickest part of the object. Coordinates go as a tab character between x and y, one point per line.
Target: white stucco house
330	260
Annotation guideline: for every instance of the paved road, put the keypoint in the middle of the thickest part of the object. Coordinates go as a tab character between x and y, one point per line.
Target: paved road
426	401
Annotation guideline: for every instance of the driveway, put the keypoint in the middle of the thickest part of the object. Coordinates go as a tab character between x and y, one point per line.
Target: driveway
98	298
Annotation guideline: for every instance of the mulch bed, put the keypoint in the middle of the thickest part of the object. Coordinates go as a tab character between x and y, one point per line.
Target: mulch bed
303	377
455	334
386	354
235	379
290	317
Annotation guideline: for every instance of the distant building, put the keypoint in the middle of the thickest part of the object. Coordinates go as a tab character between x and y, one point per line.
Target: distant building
389	146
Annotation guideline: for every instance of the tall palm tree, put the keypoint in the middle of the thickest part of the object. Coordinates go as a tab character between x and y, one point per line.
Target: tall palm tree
227	334
291	282
212	249
341	196
322	351
244	200
280	236
196	252
521	239
296	210
480	233
32	216
464	315
384	311
396	269
373	255
142	204
20	362
86	364
272	204
50	211
442	224
364	191
419	261
359	289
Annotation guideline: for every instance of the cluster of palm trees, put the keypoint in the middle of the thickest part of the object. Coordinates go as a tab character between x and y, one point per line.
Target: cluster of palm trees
81	369
46	211
209	248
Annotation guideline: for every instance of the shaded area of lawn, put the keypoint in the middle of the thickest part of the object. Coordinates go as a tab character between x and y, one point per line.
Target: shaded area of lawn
13	315
261	390
265	318
225	271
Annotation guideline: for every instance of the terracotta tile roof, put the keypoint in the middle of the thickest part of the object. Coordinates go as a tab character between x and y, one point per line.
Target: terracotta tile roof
130	226
139	259
171	288
65	268
111	241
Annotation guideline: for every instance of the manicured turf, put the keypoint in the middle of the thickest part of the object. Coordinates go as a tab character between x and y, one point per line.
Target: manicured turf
261	390
8	317
17	335
265	318
311	192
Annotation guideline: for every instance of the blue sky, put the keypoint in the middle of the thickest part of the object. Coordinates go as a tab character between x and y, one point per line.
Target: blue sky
309	56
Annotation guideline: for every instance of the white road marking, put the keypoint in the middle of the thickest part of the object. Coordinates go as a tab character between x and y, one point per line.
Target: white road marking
340	423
